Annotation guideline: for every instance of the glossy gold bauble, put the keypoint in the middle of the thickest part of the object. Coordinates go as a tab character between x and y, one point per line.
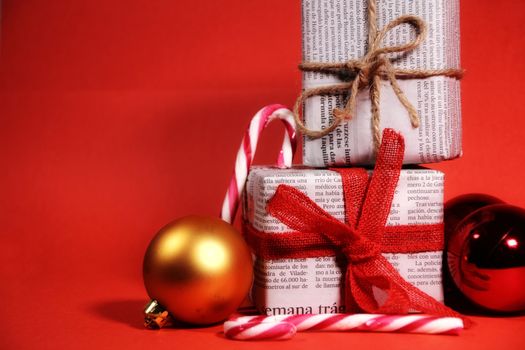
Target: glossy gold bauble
199	268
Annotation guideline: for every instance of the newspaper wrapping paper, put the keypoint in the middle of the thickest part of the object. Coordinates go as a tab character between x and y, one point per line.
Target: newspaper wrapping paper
336	31
314	285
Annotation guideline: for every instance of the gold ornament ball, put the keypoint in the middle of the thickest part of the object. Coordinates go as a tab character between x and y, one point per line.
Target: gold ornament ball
199	268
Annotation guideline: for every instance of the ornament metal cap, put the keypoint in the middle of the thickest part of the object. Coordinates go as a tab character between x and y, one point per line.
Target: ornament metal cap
156	316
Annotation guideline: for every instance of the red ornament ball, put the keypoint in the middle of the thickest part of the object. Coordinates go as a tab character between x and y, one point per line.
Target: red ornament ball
456	210
460	207
486	257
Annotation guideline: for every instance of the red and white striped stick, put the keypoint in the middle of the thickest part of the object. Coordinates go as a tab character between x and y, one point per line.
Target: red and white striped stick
259	330
247	151
274	327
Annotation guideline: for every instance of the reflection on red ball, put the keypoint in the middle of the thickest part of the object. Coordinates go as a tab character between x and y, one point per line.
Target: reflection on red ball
459	207
486	257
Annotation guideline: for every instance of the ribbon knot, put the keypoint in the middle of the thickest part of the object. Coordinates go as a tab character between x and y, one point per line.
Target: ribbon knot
367	72
360	251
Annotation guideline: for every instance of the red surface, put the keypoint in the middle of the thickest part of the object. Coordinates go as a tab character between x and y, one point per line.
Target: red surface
118	116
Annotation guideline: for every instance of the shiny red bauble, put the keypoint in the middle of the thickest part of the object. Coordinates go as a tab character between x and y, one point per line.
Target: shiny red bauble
460	207
486	257
455	210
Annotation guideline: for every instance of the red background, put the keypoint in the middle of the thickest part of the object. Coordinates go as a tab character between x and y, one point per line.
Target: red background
119	116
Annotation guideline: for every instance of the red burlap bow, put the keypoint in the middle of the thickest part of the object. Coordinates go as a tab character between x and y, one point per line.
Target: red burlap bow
362	239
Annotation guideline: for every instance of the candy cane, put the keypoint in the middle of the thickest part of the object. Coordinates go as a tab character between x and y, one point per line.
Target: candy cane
248	327
247	151
259	330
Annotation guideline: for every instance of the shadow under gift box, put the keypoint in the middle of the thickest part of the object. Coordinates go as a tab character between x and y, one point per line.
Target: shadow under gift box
337	32
316	285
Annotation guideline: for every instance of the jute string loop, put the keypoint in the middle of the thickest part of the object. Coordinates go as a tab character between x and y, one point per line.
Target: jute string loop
367	72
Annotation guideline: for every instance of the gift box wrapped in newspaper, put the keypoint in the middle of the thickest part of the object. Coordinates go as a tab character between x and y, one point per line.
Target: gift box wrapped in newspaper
346	239
369	65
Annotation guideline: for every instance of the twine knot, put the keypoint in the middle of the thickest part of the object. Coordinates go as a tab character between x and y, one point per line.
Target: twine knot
364	74
367	72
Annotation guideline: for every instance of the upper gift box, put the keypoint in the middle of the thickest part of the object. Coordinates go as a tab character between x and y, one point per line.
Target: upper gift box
392	65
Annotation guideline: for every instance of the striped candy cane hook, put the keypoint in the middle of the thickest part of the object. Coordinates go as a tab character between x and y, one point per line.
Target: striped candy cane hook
247	149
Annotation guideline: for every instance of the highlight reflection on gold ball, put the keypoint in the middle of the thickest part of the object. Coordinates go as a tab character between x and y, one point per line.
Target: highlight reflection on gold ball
199	268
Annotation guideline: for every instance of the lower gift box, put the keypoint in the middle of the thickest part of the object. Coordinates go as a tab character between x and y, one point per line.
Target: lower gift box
316	284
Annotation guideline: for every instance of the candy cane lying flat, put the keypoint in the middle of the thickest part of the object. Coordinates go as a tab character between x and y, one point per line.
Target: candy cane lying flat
247	151
259	330
261	327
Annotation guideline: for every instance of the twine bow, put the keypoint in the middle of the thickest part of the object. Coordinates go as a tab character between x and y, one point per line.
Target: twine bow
368	72
358	238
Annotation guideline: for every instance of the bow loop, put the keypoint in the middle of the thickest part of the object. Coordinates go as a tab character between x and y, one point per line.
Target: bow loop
397	300
296	210
417	23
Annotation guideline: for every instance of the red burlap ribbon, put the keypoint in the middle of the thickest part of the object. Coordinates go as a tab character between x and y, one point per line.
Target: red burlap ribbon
362	239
